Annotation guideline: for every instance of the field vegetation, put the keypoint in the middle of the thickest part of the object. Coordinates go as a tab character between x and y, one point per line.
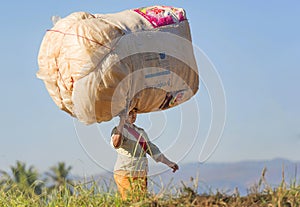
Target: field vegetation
24	187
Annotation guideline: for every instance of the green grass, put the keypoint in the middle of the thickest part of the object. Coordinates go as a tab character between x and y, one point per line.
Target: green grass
90	194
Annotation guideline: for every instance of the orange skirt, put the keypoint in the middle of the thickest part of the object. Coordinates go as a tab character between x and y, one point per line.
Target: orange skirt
131	186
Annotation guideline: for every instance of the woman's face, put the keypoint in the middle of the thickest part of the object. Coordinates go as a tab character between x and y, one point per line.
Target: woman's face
132	116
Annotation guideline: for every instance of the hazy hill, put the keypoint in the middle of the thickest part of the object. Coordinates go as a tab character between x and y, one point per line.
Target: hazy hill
226	177
242	175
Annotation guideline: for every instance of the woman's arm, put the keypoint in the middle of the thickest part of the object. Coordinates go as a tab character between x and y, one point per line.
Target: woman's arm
117	136
163	159
156	154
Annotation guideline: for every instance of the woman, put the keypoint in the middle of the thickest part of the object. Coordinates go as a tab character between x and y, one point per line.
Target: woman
132	145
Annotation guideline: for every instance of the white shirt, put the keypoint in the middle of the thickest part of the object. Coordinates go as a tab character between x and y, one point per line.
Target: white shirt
131	153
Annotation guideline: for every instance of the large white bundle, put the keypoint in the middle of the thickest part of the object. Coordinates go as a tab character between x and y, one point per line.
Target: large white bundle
94	66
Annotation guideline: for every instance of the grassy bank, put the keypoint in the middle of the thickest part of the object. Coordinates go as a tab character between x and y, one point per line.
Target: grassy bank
90	194
23	187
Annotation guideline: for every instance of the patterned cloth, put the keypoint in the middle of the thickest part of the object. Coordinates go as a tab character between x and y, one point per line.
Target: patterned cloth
161	15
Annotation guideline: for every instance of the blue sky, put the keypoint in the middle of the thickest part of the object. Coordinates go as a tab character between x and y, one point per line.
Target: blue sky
254	45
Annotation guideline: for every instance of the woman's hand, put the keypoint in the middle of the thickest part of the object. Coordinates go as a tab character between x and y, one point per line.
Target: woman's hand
162	158
174	166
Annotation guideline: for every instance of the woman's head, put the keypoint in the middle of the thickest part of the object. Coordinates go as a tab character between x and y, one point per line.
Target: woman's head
132	116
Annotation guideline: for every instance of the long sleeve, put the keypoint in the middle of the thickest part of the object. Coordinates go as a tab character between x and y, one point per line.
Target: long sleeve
152	149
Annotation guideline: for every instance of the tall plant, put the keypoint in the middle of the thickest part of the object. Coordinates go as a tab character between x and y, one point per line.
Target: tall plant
25	179
60	175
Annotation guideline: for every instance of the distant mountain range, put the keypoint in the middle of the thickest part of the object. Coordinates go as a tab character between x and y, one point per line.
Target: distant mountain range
226	177
223	177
